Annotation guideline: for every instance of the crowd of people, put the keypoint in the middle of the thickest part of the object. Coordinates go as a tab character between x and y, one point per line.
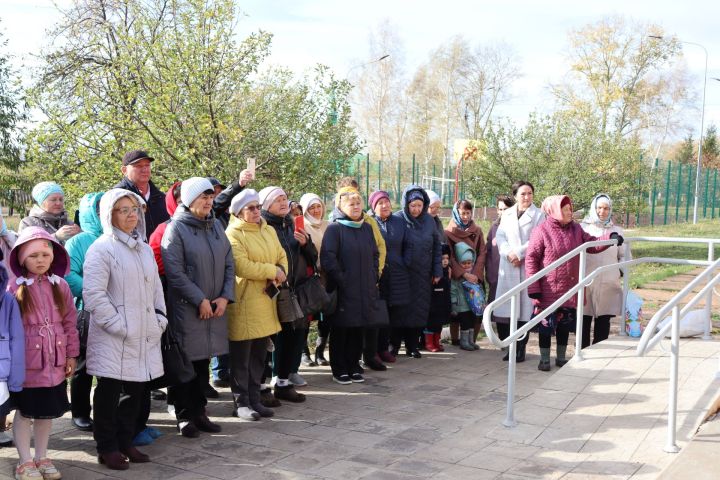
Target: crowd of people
231	279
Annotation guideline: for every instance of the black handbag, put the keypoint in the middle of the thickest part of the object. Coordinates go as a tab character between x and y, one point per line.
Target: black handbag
83	325
288	307
311	295
176	364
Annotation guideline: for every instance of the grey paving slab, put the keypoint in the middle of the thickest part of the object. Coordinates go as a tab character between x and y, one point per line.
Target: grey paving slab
439	417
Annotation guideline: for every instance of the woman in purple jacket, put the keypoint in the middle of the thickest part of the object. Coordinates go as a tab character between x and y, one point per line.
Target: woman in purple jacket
558	235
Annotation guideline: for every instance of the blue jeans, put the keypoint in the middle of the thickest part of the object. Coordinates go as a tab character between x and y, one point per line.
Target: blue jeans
220	367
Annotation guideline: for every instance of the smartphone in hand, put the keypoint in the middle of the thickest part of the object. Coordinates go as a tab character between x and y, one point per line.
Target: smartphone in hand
299	223
272	290
251	166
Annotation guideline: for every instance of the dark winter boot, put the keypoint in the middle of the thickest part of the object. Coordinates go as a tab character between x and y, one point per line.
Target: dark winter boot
560	360
465	341
320	345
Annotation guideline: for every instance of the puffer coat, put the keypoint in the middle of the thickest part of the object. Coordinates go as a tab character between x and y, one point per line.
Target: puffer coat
257	254
425	261
123	293
395	280
350	259
550	241
47	221
78	245
198	265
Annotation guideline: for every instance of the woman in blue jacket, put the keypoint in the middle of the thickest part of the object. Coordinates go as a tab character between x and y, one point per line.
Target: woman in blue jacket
77	247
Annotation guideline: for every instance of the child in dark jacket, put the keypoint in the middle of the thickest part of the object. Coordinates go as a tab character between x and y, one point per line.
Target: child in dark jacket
439	306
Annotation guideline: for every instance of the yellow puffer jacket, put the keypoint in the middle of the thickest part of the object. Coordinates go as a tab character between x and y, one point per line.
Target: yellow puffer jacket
257	253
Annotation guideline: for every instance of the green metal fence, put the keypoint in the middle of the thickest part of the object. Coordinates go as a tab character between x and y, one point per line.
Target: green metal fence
669	199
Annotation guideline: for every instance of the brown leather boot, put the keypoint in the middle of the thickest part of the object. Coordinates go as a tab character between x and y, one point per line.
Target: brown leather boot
135	455
288	393
114	460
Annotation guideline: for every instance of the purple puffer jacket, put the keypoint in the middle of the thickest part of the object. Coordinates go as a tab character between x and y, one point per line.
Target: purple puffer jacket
12	338
550	241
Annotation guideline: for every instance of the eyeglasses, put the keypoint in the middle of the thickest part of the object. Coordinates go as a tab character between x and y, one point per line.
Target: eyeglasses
252	208
125	211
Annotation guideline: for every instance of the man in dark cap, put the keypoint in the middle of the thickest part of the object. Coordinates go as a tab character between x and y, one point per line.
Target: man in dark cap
136	169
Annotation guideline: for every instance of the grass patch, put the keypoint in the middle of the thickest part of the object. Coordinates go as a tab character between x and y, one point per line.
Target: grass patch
643	274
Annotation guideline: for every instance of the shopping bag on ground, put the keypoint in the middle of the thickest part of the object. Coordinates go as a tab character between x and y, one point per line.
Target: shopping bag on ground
633	315
691	325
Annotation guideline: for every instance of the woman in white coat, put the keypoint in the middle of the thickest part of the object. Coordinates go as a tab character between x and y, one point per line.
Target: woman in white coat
603	297
513	235
123	294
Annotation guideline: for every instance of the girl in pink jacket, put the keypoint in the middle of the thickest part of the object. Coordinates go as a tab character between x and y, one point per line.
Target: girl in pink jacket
51	346
558	235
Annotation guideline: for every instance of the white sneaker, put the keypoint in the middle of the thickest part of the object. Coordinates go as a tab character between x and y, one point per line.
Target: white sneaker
297	380
246	413
5	439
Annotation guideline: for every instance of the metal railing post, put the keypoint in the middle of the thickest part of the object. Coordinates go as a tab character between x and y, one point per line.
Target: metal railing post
580	308
512	348
626	289
709	297
671	445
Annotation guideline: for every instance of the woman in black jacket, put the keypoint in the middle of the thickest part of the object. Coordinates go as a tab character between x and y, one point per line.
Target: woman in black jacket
424	268
350	259
300	253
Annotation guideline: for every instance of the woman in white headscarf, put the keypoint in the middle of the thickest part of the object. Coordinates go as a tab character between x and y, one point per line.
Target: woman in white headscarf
603	297
315	225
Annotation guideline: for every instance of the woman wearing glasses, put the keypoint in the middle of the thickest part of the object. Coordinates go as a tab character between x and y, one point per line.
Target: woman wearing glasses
123	294
260	266
201	281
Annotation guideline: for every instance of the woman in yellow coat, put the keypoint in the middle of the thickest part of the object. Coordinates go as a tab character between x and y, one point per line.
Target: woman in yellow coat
260	261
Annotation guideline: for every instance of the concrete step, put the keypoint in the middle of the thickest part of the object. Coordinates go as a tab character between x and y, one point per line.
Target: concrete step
609	412
699	460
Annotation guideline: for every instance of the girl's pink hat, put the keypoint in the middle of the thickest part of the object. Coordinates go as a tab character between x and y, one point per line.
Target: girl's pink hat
26	244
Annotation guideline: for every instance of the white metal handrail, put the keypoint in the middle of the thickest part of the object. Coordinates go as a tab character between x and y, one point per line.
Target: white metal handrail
513	295
710	242
650	338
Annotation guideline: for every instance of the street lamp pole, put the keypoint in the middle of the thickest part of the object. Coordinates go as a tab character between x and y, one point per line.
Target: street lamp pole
702	131
702	127
366	64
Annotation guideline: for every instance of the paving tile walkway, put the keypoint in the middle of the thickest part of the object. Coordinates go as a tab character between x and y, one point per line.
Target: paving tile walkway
437	417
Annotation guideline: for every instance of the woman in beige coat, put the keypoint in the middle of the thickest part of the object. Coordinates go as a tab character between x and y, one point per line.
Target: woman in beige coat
513	235
603	297
260	262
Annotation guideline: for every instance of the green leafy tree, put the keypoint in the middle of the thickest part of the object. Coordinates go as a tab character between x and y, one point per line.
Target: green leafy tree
12	114
170	76
686	152
560	156
711	149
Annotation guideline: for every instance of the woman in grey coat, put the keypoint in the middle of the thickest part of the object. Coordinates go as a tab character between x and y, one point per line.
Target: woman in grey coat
49	212
200	275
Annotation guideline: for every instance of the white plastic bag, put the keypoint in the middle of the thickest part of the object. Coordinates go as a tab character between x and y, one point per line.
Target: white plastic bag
691	325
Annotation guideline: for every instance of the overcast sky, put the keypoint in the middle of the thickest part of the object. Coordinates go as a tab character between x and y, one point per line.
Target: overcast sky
335	33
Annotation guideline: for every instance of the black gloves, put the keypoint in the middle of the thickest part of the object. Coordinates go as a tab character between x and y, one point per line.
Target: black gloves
618	237
535	295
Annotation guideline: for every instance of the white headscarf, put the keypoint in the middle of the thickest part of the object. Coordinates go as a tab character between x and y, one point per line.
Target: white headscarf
592	216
